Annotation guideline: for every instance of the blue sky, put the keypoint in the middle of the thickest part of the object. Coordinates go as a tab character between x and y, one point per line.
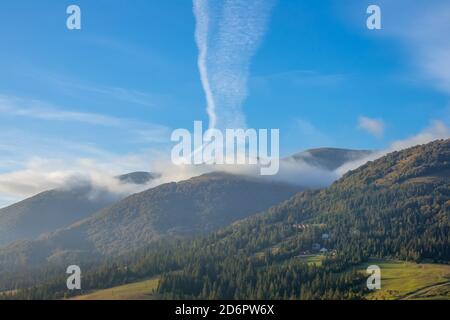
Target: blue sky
112	92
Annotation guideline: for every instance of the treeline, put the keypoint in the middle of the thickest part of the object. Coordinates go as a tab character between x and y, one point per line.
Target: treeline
238	279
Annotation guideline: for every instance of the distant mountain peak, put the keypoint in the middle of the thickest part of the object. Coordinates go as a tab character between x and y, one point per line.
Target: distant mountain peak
138	177
329	158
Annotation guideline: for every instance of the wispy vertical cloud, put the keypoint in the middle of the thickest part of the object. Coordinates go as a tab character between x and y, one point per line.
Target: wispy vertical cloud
201	37
228	35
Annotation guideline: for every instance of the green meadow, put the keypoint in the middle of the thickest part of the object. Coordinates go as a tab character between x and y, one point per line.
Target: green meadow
143	290
406	280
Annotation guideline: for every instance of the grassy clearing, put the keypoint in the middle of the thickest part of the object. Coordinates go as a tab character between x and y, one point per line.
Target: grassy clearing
436	293
405	280
143	290
313	259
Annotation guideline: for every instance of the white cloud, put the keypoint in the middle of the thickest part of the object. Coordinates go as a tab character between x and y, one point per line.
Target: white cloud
228	35
421	26
117	93
31	108
373	126
31	163
291	171
41	174
437	130
430	43
97	92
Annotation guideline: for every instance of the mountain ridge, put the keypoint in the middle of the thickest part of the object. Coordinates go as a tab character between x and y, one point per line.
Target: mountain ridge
195	206
329	158
57	208
395	207
60	208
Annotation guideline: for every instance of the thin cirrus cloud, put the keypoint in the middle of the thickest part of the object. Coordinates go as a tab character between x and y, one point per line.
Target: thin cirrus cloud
421	29
14	106
374	127
228	35
20	107
76	88
431	44
115	93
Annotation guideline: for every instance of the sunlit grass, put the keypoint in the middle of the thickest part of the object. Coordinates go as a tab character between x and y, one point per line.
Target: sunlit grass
143	290
401	279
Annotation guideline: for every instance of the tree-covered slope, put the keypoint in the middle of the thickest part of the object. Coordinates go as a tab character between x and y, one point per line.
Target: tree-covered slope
195	206
397	206
58	208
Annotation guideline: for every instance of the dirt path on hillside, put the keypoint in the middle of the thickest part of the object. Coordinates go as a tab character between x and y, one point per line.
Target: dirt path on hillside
424	290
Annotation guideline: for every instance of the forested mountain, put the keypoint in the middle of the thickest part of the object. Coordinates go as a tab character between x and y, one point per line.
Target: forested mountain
59	208
329	158
138	177
55	209
196	206
397	207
